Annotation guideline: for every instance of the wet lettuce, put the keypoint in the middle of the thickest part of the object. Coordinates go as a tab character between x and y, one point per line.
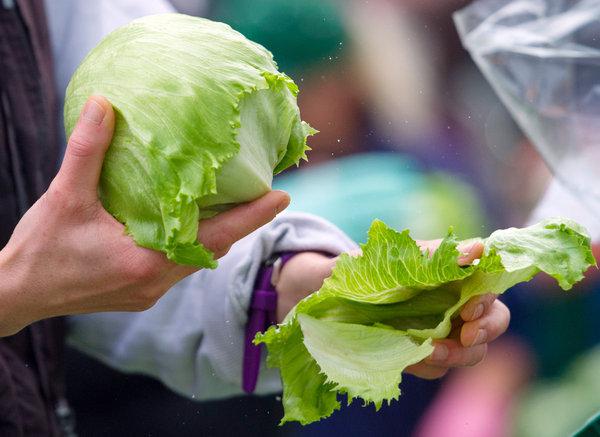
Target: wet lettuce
203	121
379	313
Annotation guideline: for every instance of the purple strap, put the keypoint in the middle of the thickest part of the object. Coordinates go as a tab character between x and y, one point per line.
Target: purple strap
262	314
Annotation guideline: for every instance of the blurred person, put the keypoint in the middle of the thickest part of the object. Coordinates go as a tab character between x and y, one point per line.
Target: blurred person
193	338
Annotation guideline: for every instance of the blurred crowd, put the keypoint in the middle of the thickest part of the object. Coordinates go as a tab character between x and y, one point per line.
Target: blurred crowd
410	133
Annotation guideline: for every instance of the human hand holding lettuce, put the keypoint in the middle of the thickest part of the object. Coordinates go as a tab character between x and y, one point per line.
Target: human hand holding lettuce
379	313
68	255
156	179
306	272
268	119
179	133
202	120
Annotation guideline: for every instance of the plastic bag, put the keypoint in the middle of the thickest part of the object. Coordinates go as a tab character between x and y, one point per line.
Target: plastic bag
542	57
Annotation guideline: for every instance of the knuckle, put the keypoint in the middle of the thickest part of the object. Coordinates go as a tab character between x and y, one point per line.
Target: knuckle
81	145
59	199
431	373
488	300
142	271
477	356
439	373
138	265
55	197
222	251
221	241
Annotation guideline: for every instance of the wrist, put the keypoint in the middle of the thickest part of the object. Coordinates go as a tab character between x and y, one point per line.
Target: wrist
8	289
299	277
15	314
274	295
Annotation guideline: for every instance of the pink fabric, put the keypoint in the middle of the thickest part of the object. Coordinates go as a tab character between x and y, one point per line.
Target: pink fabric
463	412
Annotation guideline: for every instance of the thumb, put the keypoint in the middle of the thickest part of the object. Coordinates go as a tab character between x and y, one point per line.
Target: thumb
82	164
220	232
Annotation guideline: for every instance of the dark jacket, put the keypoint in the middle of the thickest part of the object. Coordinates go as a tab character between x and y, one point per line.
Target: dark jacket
31	382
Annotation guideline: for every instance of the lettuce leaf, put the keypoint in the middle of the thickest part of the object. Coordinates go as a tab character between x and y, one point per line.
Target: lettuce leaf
203	121
378	313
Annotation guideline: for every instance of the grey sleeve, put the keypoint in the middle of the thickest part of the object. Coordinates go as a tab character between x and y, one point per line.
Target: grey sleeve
192	339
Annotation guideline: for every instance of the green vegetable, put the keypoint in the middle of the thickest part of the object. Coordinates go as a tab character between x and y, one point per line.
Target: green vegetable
378	313
203	121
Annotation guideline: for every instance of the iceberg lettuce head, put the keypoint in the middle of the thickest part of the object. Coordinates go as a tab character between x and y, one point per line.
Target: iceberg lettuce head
203	121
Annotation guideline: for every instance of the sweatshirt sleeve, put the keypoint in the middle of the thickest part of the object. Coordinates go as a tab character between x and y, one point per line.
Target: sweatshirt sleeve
193	338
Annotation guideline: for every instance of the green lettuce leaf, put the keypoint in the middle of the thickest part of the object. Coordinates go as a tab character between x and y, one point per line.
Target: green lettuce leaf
203	121
378	313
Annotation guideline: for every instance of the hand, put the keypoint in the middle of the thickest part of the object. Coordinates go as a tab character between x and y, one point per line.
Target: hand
302	275
481	320
68	255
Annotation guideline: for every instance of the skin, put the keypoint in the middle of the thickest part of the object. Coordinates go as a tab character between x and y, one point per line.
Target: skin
482	319
68	255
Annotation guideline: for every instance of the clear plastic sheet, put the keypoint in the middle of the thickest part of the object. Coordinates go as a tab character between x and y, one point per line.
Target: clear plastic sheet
542	57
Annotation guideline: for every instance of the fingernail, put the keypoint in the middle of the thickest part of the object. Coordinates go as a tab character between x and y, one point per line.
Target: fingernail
93	112
480	338
283	204
464	253
478	312
440	353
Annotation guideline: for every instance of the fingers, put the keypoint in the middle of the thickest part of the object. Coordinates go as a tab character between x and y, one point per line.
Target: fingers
427	371
451	353
220	232
82	164
490	326
447	354
486	318
477	306
429	245
469	252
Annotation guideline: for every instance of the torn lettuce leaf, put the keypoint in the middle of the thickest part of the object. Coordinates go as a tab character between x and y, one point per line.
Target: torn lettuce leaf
378	313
